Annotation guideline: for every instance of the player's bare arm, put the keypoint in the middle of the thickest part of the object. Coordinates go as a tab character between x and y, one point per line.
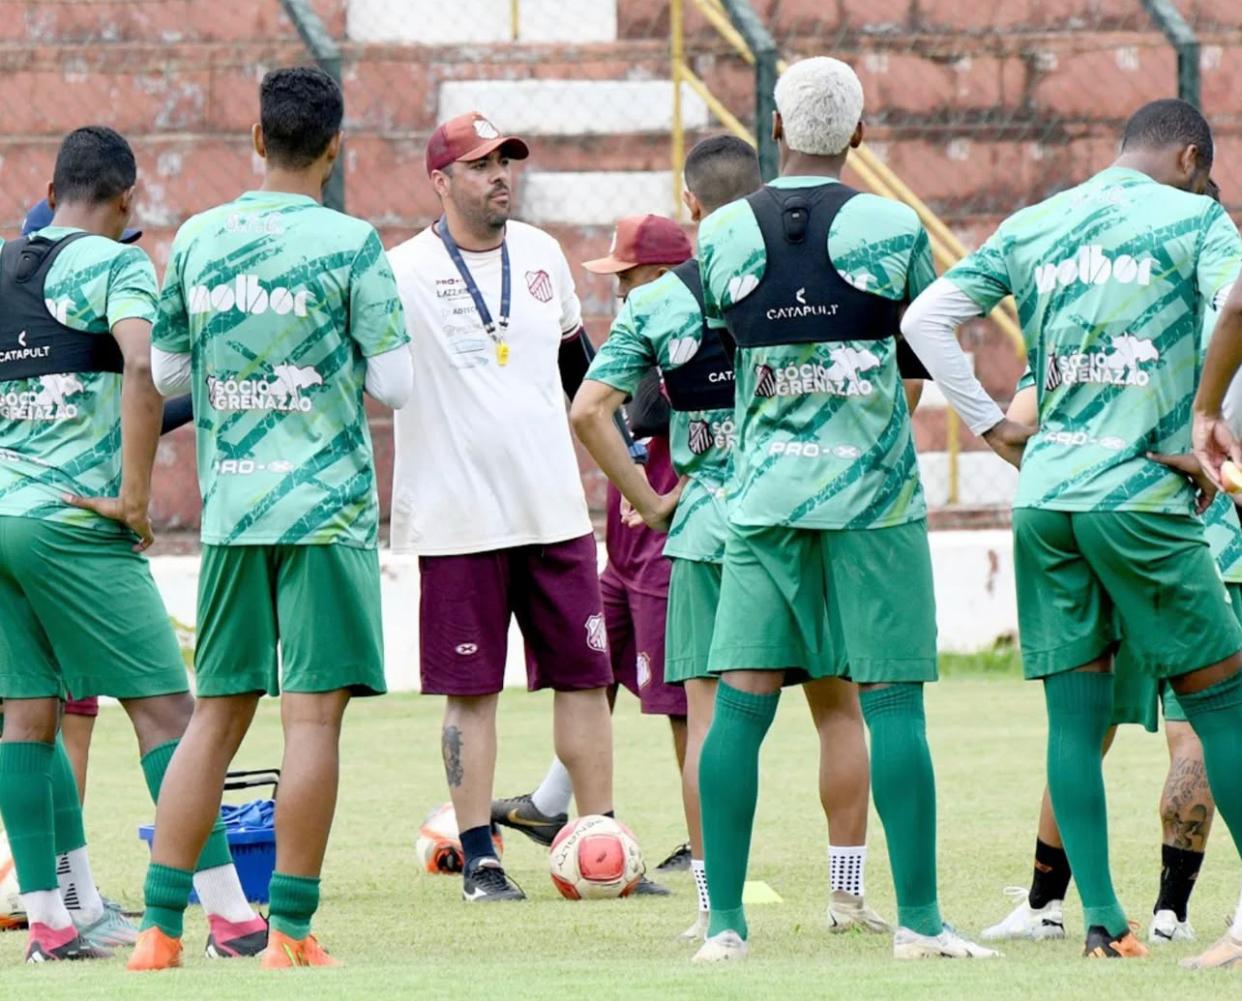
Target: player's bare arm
1214	441
142	411
592	416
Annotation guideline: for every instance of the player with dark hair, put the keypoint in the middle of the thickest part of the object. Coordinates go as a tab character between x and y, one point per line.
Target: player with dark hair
79	422
1112	278
279	313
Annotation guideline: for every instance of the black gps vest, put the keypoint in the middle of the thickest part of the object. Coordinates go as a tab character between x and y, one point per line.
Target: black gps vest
32	341
705	382
802	298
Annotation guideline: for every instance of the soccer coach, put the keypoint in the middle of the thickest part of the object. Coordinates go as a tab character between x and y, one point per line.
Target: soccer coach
486	489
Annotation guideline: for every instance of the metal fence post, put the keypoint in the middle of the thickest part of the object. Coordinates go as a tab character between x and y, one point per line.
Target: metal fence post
1186	43
763	46
327	55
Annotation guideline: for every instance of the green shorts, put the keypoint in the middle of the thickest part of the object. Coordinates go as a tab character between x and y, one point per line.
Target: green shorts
828	603
320	604
693	594
1077	570
80	614
1139	697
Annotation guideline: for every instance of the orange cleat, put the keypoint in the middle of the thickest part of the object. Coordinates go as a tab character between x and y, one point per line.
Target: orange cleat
1102	945
154	951
283	952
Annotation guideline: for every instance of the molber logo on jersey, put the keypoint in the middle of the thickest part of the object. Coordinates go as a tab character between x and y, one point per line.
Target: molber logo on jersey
1091	266
246	295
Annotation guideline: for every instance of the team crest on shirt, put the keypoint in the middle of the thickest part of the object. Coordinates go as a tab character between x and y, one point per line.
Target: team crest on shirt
287	389
845	376
596	635
1120	364
540	285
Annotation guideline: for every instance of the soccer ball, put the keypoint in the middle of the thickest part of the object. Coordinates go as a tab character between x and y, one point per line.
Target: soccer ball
595	858
11	913
439	843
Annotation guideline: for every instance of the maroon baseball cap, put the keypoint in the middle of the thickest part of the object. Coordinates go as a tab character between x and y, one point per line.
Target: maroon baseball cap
643	239
469	137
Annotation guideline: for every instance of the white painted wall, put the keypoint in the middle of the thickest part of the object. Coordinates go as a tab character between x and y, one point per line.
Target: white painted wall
974	593
573	107
593	198
434	22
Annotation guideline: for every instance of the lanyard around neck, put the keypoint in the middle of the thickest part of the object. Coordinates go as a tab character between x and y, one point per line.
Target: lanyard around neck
485	315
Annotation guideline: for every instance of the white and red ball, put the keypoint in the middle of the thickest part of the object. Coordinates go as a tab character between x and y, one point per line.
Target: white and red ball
595	858
439	842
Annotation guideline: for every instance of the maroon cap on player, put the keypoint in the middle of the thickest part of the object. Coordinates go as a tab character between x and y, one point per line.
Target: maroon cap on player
643	239
469	137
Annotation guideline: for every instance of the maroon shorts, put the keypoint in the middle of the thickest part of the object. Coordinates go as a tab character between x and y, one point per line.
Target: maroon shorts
636	623
83	707
467	602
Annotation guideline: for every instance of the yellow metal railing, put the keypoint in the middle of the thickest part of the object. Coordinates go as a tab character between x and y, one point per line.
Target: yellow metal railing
875	175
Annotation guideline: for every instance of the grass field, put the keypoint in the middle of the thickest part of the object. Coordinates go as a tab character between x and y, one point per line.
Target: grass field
403	934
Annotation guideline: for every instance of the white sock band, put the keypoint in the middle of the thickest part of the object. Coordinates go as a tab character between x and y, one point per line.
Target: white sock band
699	871
221	892
554	792
845	868
1236	929
77	885
45	907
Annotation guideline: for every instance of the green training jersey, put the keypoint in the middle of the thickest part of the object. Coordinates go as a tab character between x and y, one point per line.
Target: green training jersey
1220	520
62	433
660	325
280	301
824	439
1110	278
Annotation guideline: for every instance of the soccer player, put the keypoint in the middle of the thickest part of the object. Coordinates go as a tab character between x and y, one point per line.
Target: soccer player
662	328
79	422
1186	807
1111	279
486	488
826	562
279	312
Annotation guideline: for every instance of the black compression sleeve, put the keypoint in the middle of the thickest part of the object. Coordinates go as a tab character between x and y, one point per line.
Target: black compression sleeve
574	360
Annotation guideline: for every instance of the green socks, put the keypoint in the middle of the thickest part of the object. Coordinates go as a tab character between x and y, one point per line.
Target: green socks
166	893
1080	705
154	765
729	789
66	802
294	900
26	809
1216	715
904	788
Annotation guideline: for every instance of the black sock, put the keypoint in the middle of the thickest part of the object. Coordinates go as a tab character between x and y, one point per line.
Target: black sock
1052	875
612	814
476	845
1178	873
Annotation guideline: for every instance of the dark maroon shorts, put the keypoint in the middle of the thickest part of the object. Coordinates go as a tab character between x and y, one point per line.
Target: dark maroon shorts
636	623
467	602
83	707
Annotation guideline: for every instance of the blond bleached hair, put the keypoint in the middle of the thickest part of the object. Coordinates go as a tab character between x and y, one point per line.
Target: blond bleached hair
821	104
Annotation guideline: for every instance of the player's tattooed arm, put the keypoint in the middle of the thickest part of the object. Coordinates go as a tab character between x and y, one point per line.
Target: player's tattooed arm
450	748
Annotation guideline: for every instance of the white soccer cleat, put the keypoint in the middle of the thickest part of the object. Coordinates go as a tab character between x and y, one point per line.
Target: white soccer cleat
726	947
1225	953
697	932
1165	927
1026	922
847	912
947	945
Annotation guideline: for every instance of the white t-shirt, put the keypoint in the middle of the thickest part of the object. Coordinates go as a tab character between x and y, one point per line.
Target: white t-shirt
484	458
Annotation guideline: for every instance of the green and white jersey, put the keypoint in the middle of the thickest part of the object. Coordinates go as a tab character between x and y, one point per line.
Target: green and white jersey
824	439
280	301
1220	520
660	325
62	433
1111	278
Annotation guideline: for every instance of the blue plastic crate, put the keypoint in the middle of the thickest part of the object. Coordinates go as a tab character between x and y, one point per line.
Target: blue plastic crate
251	834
